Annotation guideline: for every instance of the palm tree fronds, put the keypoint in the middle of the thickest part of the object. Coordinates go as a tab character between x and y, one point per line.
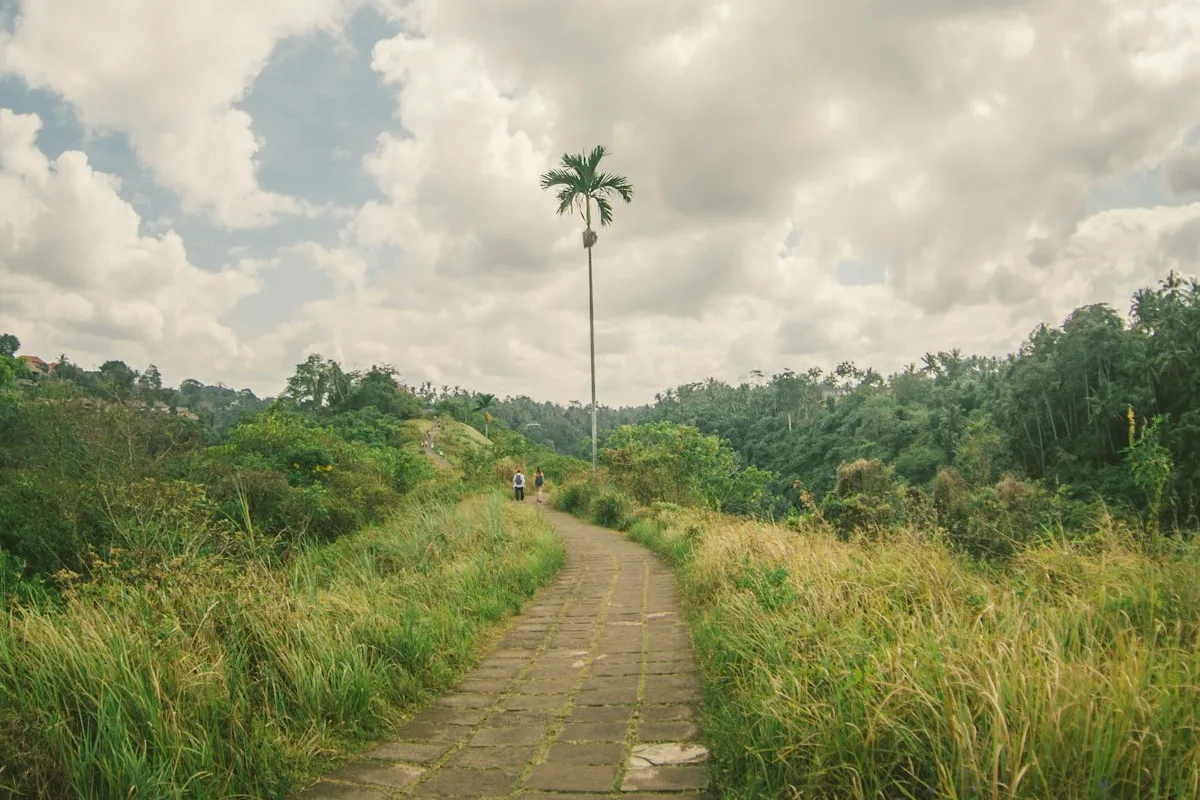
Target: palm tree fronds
614	184
575	162
559	177
605	208
594	158
567	197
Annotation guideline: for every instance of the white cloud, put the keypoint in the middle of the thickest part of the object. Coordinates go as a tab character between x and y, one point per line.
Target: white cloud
951	146
75	273
957	146
168	73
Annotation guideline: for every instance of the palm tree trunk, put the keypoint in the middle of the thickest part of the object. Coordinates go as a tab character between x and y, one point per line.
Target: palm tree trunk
592	334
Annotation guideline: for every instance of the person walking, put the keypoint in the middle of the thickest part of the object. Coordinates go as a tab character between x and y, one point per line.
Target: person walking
519	485
539	480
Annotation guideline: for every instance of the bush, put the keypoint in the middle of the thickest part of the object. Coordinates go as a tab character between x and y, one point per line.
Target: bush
331	486
63	458
665	461
868	500
612	508
576	498
995	522
78	476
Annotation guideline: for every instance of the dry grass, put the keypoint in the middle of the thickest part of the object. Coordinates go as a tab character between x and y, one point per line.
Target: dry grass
223	678
899	670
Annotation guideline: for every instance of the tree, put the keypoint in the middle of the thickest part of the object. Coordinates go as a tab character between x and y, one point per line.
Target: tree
9	345
149	384
310	383
117	378
380	388
580	184
485	403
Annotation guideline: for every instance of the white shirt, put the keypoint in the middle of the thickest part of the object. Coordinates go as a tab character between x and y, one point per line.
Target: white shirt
518	481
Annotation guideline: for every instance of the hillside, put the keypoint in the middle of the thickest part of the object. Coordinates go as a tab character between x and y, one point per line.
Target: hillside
270	553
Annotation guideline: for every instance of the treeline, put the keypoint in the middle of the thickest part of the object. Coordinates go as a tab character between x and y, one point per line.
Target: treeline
216	408
1057	412
99	467
566	429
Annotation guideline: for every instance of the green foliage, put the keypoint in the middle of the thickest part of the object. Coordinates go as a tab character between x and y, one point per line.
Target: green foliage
79	476
566	430
334	486
9	345
677	463
868	500
1053	412
599	502
1151	466
321	386
613	509
579	184
999	521
980	452
64	459
576	497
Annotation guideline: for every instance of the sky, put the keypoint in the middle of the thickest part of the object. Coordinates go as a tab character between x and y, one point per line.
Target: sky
223	188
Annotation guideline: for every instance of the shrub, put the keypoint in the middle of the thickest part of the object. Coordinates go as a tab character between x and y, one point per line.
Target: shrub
575	498
665	461
997	521
612	509
868	500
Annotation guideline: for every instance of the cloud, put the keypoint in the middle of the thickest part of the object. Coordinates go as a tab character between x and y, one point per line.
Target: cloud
75	273
1182	170
860	180
169	74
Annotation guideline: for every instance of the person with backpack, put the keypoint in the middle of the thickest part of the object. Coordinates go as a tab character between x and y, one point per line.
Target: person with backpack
539	480
519	485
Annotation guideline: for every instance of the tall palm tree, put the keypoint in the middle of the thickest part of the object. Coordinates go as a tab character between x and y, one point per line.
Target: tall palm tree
580	184
485	403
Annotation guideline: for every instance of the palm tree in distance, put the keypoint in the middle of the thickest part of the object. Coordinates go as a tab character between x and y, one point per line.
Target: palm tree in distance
485	403
580	184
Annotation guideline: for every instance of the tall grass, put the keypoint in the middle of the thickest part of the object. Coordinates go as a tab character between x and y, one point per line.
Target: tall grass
224	678
899	670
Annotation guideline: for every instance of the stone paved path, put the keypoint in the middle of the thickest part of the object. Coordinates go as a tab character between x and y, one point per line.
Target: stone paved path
589	695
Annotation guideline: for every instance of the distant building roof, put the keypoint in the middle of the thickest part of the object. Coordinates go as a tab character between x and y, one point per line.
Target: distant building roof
35	364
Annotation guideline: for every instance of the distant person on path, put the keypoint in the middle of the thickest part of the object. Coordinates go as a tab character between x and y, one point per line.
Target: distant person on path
519	485
539	480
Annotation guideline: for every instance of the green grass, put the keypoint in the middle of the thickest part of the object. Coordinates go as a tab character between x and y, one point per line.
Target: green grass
899	670
218	678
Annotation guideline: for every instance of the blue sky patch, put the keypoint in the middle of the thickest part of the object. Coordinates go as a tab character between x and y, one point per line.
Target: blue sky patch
320	109
854	272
